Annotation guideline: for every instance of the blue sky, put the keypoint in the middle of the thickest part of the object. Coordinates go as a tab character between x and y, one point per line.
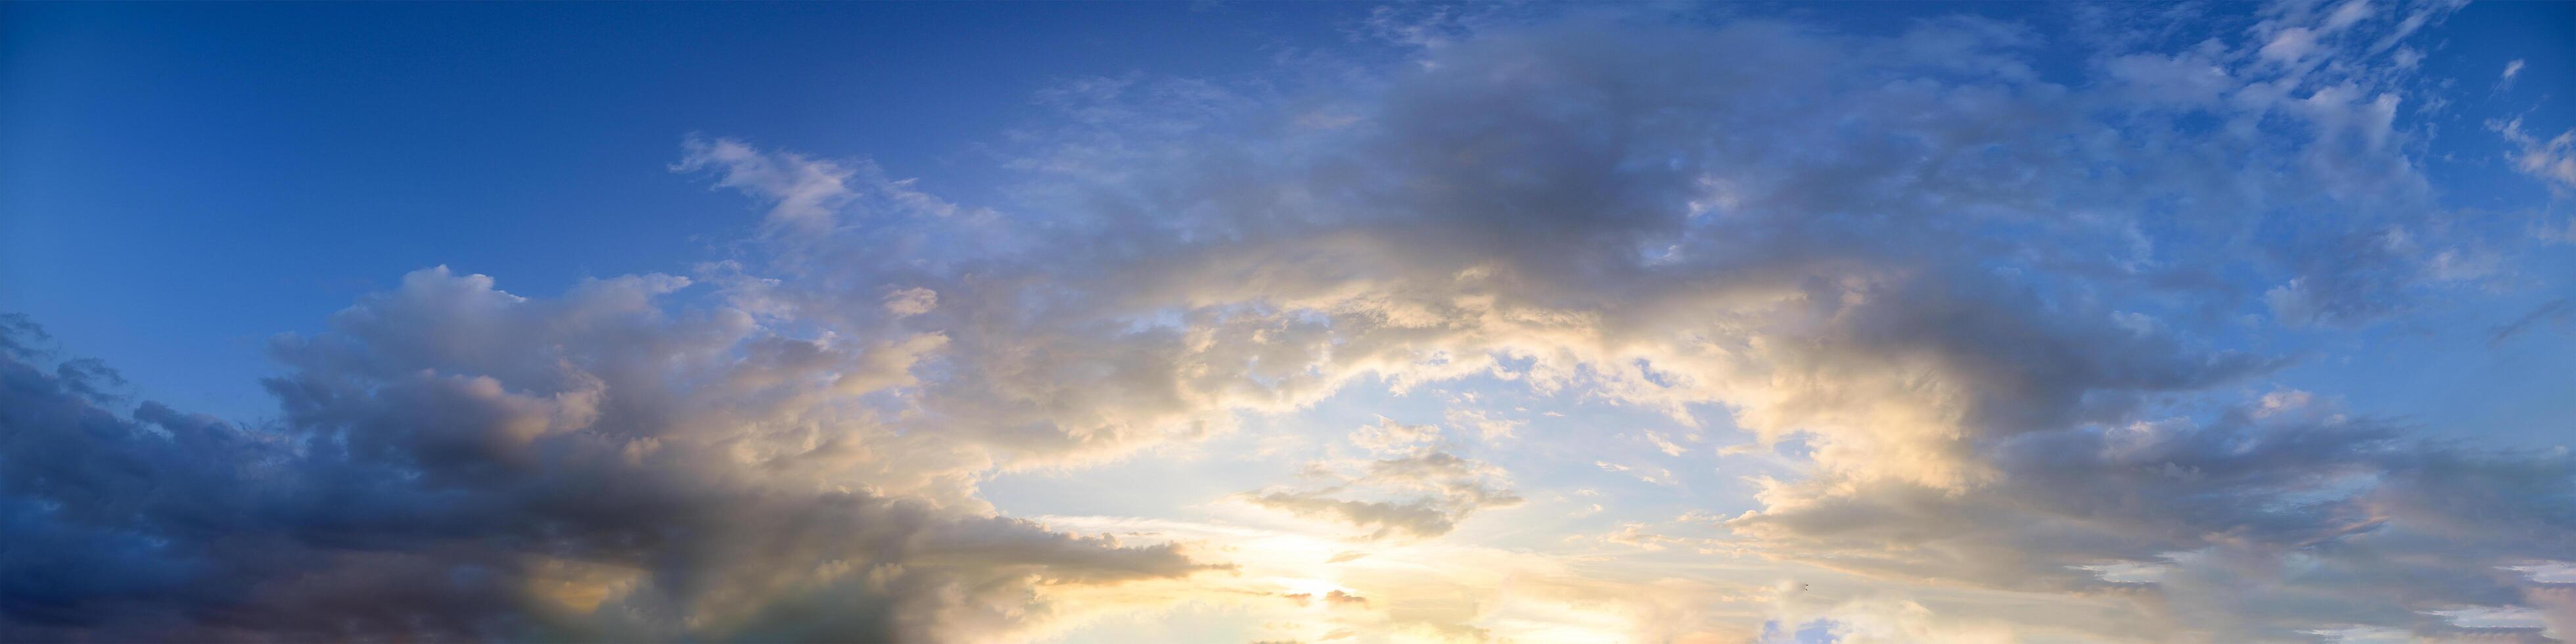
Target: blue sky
254	168
1289	321
287	159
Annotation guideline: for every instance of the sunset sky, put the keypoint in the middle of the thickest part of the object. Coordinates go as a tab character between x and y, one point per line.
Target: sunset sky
1272	322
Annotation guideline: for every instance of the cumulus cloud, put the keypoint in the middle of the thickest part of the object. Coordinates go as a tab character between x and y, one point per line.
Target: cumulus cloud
2258	525
1847	290
459	463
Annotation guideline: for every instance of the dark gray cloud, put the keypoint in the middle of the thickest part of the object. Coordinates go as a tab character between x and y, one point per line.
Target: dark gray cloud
2560	311
399	502
2261	524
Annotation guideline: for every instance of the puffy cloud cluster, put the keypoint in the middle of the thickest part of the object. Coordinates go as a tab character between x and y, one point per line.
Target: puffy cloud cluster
1933	266
458	463
2260	524
1980	291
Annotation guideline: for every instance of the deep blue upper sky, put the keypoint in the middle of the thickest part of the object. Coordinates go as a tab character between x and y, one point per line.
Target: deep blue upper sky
179	182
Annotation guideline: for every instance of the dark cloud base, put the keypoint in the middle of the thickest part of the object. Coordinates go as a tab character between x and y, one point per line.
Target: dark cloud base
398	512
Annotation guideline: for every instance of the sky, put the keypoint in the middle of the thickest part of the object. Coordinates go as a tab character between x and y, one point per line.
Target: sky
1273	322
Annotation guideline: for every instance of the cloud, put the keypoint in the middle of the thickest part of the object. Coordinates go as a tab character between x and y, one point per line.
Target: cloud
1884	619
1388	436
2290	45
460	463
1487	427
2561	311
1493	266
2553	161
2257	526
2346	14
804	191
1606	241
809	194
911	301
1420	492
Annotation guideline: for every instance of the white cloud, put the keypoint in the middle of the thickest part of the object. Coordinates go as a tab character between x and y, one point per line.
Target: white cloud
2351	11
805	192
1409	486
2552	160
911	301
2290	45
